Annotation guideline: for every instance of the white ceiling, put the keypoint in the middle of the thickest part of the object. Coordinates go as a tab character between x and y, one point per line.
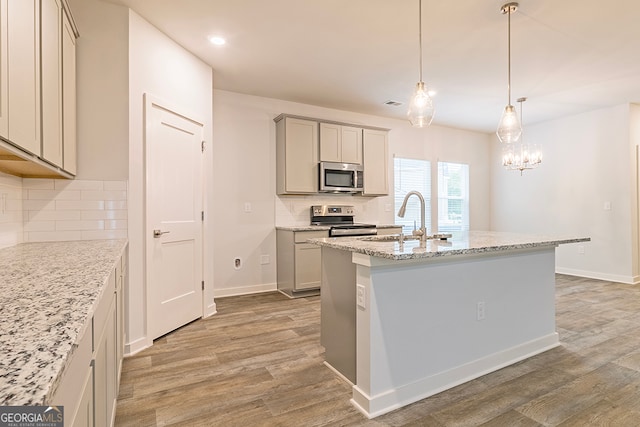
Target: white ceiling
567	56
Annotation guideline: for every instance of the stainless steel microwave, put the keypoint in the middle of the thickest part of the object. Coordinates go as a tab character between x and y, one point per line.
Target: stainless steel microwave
340	178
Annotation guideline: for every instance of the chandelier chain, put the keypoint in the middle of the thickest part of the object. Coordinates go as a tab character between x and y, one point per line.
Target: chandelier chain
420	34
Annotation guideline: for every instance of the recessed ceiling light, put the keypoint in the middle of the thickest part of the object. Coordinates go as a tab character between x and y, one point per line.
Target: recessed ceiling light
217	40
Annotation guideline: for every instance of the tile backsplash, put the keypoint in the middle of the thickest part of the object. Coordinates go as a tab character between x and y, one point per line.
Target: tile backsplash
58	210
11	228
44	210
294	210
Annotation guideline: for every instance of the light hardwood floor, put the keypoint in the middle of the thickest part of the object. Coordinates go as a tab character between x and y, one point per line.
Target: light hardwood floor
258	362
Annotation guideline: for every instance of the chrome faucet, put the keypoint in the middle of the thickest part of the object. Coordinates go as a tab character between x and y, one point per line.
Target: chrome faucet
423	228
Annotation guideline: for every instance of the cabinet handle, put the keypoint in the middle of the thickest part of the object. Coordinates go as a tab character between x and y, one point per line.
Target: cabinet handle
158	233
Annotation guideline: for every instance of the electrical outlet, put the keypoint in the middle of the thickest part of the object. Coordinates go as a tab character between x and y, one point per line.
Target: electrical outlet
480	310
237	263
581	250
607	206
264	259
361	296
247	207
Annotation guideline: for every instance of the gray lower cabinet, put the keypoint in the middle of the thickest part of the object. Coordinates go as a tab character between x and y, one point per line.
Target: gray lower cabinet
89	387
298	262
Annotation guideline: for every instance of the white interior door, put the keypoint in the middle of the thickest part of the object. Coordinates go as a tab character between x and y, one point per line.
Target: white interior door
173	219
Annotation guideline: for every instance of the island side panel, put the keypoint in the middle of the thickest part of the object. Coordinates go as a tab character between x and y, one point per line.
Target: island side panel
420	332
338	313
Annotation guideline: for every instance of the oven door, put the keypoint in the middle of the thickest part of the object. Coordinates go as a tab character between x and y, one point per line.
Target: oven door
340	177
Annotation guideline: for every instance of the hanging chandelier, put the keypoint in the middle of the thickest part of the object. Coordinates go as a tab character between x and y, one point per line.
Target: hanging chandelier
421	108
509	128
520	155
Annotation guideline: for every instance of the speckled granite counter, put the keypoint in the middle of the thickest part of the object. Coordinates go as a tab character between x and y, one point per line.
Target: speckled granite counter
472	242
321	227
47	297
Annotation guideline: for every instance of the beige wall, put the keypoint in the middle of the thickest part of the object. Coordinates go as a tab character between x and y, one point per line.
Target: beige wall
588	161
163	69
102	89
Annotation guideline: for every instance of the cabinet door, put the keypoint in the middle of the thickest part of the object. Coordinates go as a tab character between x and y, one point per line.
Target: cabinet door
330	143
51	63
4	98
68	96
84	416
301	156
351	147
105	368
23	52
374	147
307	265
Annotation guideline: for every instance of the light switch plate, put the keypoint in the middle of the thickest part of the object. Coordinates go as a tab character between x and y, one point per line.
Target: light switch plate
361	296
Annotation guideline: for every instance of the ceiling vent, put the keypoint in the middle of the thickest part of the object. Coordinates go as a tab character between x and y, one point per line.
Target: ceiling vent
393	103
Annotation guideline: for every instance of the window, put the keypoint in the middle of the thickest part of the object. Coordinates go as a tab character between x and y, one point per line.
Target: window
412	174
453	197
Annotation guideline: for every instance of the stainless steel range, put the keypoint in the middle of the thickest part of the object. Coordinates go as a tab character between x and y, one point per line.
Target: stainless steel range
340	218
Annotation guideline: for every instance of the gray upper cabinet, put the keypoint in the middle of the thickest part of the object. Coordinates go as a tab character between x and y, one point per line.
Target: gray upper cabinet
342	144
296	155
303	142
37	88
376	167
23	73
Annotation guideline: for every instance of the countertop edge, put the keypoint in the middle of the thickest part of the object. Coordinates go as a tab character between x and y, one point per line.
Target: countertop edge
391	250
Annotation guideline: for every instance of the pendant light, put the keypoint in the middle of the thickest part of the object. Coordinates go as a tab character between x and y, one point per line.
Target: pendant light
421	109
509	129
521	155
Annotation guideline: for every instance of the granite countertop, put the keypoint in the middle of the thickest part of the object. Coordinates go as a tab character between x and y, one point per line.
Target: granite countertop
322	227
47	296
468	243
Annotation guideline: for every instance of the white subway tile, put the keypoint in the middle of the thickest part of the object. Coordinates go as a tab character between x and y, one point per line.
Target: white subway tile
115	185
40	226
38	205
106	234
52	195
52	236
104	195
115	225
55	215
79	225
76	184
115	205
38	184
66	205
105	214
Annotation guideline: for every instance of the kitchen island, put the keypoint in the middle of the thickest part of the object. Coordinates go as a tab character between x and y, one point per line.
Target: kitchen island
404	321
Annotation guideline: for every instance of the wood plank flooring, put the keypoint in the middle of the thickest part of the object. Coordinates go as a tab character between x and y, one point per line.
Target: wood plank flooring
258	362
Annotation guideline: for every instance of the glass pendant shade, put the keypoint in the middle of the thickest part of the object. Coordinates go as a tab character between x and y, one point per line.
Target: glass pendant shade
509	128
421	109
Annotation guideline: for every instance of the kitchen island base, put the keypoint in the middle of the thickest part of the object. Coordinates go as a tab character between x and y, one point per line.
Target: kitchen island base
428	324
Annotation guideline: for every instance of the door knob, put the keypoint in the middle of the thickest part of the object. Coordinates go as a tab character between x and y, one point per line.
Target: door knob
158	233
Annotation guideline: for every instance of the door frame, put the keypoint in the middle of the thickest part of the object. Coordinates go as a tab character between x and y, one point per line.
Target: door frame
149	101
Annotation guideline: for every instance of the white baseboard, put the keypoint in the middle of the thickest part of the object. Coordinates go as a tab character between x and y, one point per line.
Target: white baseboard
210	310
136	346
630	280
373	406
245	290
